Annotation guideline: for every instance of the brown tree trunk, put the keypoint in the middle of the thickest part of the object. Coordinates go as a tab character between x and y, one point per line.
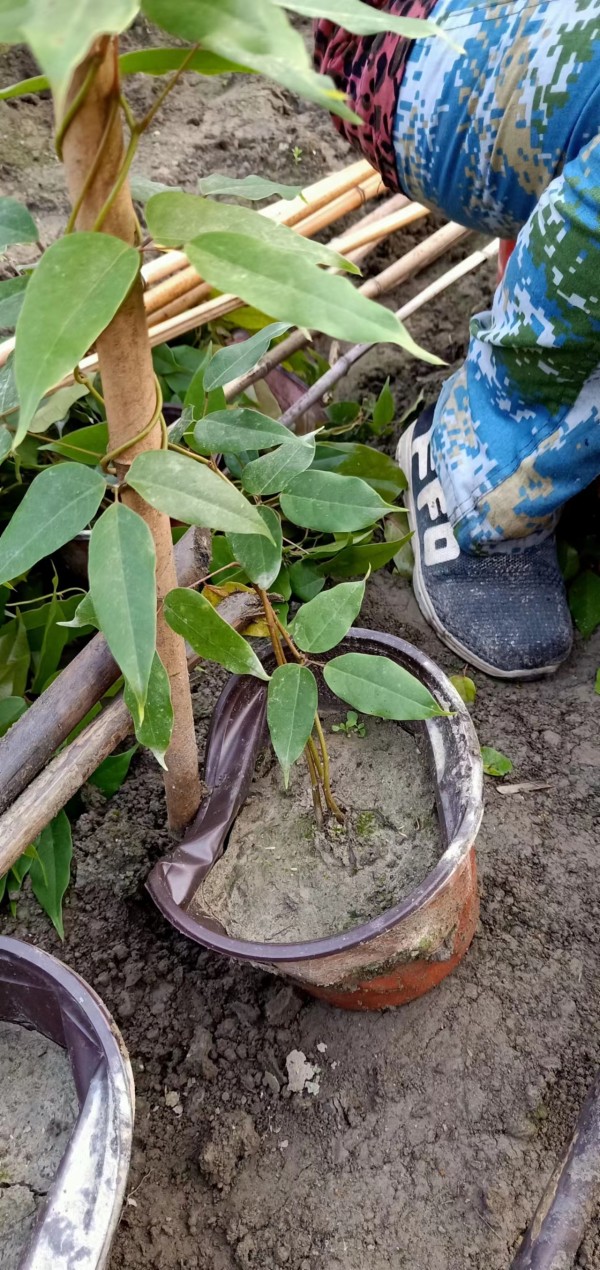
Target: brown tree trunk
128	383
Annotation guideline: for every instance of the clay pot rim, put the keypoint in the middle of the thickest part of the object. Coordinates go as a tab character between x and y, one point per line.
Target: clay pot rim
455	852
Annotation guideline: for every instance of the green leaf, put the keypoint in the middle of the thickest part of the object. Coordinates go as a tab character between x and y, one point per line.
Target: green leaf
178	218
384	409
351	459
259	37
15	659
84	445
60	34
84	615
56	407
354	562
584	602
260	558
11	709
16	223
35	84
248	187
12	293
155	729
192	493
59	503
239	430
289	287
291	708
331	503
326	620
54	640
161	61
51	868
78	286
495	763
360	18
5	443
235	360
597	684
191	615
122	566
273	472
111	774
568	560
194	400
306	580
465	688
142	188
379	686
9	397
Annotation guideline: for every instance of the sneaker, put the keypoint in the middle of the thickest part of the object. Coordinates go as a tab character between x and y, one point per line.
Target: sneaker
506	614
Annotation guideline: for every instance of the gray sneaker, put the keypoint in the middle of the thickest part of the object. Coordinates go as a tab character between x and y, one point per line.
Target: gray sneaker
505	614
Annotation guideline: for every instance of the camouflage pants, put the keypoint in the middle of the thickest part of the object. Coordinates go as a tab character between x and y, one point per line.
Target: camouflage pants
505	138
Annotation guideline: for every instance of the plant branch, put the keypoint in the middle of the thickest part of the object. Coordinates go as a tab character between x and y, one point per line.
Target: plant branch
331	802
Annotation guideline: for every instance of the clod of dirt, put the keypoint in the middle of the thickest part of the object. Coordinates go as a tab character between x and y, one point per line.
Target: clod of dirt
234	1139
301	1074
281	880
197	1061
39	1109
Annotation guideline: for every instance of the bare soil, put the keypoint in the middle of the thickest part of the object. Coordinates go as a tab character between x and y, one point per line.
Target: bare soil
435	1127
282	880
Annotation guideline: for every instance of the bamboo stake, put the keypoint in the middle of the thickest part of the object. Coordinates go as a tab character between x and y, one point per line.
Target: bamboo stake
64	776
128	382
341	367
361	236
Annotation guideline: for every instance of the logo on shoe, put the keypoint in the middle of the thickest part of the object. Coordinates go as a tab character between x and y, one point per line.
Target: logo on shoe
439	544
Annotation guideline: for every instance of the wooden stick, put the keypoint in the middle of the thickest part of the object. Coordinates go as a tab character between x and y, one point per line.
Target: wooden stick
360	235
341	367
48	793
341	206
33	739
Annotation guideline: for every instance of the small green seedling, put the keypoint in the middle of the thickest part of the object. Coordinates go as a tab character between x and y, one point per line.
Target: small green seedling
353	725
495	763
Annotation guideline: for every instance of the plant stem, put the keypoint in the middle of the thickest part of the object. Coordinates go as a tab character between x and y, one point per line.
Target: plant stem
316	791
272	625
168	88
334	808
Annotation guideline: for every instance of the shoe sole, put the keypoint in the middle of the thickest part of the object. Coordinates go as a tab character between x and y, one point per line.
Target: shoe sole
404	460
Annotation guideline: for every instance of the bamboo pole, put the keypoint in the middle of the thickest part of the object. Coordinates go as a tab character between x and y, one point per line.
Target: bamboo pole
128	381
47	794
362	236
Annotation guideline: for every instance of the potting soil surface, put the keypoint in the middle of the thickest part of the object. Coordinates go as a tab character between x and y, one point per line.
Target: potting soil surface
282	880
38	1108
436	1127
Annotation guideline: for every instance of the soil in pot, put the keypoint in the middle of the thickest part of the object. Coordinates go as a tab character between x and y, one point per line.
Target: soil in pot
282	880
39	1109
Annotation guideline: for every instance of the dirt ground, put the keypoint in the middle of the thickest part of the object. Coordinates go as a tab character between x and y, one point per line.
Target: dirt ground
435	1127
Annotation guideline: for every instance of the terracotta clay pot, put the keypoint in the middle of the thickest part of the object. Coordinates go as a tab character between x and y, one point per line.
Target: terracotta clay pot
405	951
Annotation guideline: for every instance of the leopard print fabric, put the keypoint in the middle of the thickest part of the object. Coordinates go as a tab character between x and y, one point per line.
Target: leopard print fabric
369	70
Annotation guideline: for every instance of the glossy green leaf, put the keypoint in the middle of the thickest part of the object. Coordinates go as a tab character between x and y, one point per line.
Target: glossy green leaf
178	218
155	729
84	445
194	399
259	557
326	620
379	686
237	358
306	580
59	503
495	763
352	459
11	709
331	503
15	659
360	18
61	32
236	431
50	871
289	287
584	602
84	615
9	397
568	559
258	36
384	409
16	223
35	83
56	407
355	561
192	493
78	286
465	687
5	443
291	708
273	472
12	294
122	565
251	188
54	639
111	774
162	61
191	615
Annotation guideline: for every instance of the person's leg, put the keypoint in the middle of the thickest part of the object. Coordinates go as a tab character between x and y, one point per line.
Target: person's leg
516	431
